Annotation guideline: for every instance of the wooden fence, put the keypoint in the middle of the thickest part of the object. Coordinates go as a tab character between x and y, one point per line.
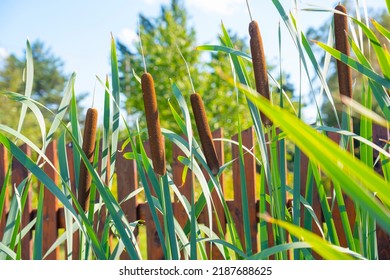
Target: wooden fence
127	182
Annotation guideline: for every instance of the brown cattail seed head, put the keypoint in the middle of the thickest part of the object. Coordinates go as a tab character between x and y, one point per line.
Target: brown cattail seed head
259	64
89	149
342	45
156	140
204	132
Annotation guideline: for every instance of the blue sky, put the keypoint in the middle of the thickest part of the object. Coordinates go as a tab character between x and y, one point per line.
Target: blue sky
79	31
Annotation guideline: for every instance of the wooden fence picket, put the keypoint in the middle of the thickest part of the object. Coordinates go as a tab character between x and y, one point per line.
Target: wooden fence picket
127	182
19	173
154	248
50	205
250	178
71	167
3	173
185	185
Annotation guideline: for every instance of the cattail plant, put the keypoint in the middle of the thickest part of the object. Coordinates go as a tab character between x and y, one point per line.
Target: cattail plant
89	140
342	45
204	133
156	139
259	64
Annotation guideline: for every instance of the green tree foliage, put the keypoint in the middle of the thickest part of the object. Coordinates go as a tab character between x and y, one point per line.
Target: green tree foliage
161	37
49	76
48	85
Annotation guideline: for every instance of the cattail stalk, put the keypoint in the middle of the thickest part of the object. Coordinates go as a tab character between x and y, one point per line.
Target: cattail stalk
259	64
204	133
156	140
89	140
342	45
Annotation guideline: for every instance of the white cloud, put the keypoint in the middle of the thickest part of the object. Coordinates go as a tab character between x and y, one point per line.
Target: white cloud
221	7
128	36
3	53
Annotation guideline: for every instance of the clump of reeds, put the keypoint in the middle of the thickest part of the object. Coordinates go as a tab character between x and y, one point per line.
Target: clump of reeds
259	64
342	45
89	140
156	140
204	132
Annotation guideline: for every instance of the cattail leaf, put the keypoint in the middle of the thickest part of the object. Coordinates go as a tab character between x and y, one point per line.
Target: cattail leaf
27	141
354	136
106	133
382	58
184	109
319	245
4	191
76	132
381	28
169	218
64	105
356	65
29	80
118	217
381	97
359	54
14	218
224	49
116	110
303	47
354	177
308	207
44	179
38	235
177	118
385	161
226	244
64	172
7	251
361	110
274	250
388	5
140	162
206	187
32	105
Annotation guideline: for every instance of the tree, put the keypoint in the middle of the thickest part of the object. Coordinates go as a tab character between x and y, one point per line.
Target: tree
161	37
48	85
49	76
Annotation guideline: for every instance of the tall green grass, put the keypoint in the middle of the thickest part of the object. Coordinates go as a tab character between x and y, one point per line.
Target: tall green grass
282	229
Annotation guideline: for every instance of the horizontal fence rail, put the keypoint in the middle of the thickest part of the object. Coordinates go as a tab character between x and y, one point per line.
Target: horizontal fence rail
127	182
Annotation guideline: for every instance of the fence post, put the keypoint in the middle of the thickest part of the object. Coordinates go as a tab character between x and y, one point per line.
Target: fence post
19	173
50	205
214	253
250	175
100	216
185	186
3	173
154	249
127	182
76	235
379	136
